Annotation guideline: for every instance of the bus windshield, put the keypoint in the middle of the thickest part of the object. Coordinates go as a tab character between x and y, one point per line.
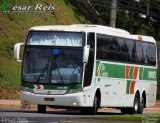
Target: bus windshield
75	39
52	65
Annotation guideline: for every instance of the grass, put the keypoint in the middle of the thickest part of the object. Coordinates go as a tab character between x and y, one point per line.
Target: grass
14	28
15	25
136	118
9	77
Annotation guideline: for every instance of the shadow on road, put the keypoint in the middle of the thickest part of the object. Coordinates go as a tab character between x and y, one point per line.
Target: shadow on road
58	112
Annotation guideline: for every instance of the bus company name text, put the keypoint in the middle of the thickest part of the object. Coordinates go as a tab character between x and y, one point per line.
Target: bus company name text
12	6
152	74
37	8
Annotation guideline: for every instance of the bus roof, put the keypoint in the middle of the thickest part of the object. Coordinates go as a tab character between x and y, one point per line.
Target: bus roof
94	28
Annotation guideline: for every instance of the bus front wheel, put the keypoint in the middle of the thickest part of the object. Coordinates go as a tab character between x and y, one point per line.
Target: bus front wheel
94	109
41	108
91	110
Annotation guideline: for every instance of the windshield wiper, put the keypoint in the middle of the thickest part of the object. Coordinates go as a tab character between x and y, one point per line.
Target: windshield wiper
27	50
60	76
43	70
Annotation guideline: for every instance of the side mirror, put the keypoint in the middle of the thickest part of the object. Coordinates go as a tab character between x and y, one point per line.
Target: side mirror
86	53
17	48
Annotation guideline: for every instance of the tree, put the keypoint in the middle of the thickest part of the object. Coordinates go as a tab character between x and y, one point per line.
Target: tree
136	16
113	12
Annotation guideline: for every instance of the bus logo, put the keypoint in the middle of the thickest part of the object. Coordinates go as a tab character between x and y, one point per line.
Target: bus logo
49	92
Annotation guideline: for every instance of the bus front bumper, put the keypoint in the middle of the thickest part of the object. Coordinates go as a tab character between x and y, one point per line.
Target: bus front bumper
67	100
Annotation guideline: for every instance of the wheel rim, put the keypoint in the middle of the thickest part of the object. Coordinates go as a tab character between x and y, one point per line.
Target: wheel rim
141	105
136	106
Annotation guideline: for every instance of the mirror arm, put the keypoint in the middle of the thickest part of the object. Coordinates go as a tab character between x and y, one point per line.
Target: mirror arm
17	51
86	54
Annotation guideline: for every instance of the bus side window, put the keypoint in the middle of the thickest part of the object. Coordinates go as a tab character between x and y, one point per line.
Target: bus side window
122	50
139	52
152	54
90	64
145	52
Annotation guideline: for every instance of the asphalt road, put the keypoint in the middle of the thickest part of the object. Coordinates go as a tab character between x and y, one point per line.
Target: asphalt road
56	116
20	115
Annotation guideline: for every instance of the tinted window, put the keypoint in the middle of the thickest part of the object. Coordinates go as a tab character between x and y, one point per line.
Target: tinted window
145	53
152	54
139	52
107	47
90	64
125	50
131	50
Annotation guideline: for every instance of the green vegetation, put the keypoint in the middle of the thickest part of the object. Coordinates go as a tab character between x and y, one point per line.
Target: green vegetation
136	117
14	28
129	15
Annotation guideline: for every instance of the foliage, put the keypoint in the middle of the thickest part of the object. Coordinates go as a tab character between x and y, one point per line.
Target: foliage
14	28
129	15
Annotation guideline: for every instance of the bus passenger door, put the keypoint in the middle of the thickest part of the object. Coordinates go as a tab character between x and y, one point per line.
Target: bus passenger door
89	67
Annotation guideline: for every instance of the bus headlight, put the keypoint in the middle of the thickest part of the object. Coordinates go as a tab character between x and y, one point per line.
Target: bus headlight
70	91
26	89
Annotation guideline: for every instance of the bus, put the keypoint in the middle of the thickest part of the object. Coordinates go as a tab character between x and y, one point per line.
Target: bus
88	67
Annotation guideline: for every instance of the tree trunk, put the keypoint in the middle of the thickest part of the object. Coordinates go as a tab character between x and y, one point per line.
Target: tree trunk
113	13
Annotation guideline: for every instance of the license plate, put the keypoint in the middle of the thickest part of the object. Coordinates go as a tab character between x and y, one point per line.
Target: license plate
49	99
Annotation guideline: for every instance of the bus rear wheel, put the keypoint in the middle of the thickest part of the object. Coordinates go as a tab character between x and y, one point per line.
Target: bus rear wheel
41	108
137	106
142	105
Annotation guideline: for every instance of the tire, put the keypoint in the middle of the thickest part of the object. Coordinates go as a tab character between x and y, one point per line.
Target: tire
91	110
136	106
141	107
41	108
94	109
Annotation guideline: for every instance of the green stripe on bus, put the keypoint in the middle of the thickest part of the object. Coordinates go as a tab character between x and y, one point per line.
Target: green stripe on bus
118	71
149	74
50	86
97	69
128	86
131	72
141	73
26	84
111	70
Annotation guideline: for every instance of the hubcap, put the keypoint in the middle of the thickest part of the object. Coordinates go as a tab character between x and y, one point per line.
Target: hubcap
136	106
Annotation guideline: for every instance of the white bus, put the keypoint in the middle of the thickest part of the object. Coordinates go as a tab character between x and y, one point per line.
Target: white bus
88	67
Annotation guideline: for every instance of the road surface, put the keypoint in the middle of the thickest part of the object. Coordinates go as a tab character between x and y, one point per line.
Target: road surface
26	115
56	116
